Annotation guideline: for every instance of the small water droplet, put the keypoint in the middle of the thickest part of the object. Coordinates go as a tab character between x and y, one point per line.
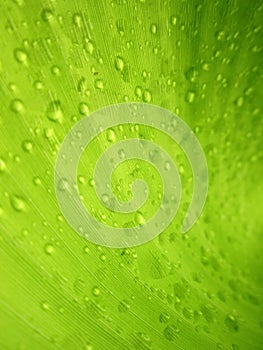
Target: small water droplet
27	146
63	185
77	19
111	137
167	166
82	85
54	111
139	219
173	20
123	306
2	166
171	332
46	14
86	250
153	28
83	108
121	153
92	182
102	257
18	203
49	249
231	323
95	291
38	85
17	106
119	63
164	317
36	181
20	55
99	84
239	101
138	91
190	96
55	70
147	96
89	47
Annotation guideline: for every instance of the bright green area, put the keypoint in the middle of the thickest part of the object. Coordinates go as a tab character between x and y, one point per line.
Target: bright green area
60	60
127	172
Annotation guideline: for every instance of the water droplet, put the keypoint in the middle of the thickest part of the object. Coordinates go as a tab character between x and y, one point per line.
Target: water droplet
123	306
102	257
138	91
119	63
111	137
83	108
164	317
99	84
27	146
173	20
231	323
147	96
167	166
239	101
54	111
77	19
82	85
95	291
89	47
153	28
18	203
36	181
17	106
92	182
86	250
46	14
2	166
139	219
49	249
171	332
63	185
121	153
55	70
190	96
20	55
38	85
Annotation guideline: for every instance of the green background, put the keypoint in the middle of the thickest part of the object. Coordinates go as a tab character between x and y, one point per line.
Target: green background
61	60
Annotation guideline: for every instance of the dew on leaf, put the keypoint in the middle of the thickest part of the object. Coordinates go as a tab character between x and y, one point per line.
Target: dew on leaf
27	146
147	96
20	55
95	291
99	84
231	323
83	108
2	166
18	203
54	111
171	332
49	249
17	106
110	134
119	63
